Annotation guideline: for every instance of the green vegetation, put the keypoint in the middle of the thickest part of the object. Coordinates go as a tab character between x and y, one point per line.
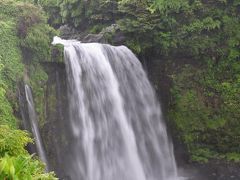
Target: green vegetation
25	43
206	109
25	40
10	67
15	162
35	39
205	106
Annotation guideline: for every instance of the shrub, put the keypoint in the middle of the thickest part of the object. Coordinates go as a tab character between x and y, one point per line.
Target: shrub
15	162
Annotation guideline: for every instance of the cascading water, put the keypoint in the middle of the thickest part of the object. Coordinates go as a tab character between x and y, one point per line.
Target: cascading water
34	125
117	132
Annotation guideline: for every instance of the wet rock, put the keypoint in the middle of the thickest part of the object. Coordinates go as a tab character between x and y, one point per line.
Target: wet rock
214	170
117	37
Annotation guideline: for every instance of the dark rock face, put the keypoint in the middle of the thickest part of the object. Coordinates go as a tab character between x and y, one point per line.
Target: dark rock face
117	37
156	70
56	111
71	33
214	170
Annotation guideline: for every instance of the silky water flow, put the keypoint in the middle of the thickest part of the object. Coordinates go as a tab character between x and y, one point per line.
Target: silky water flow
116	123
34	126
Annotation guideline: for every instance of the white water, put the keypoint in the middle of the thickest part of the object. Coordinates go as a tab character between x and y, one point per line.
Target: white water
34	126
116	121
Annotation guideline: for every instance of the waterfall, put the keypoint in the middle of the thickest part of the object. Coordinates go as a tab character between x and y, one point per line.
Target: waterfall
116	127
34	125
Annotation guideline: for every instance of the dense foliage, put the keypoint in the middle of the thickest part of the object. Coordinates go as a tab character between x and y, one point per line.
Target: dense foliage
15	162
25	42
79	13
20	38
206	112
205	107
